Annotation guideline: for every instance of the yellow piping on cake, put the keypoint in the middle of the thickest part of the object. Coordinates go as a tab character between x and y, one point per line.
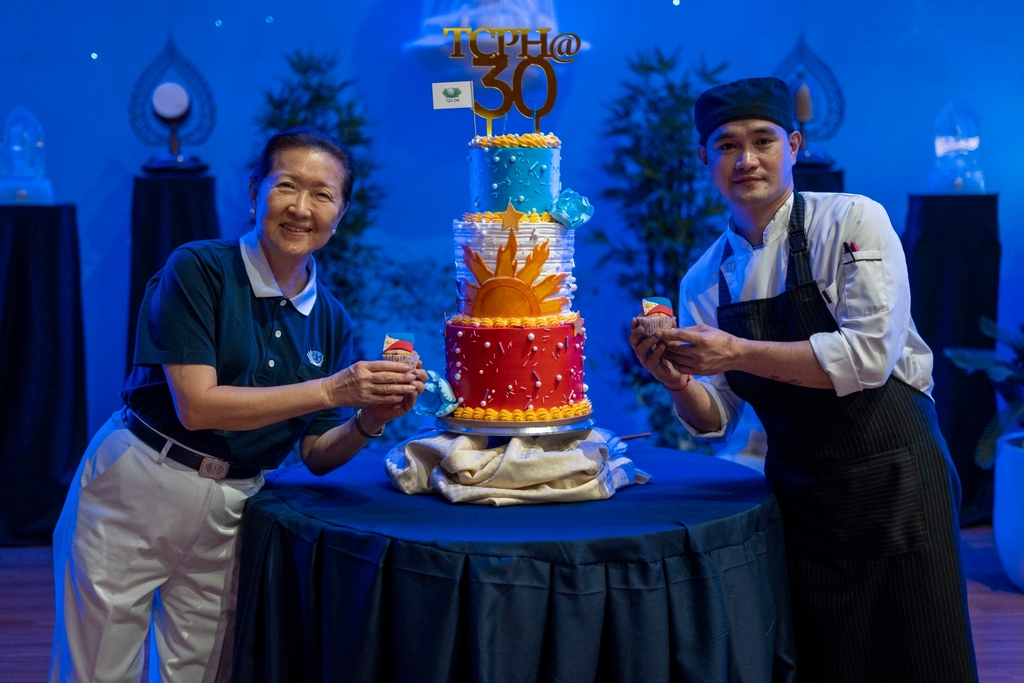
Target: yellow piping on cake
536	140
491	217
583	407
543	321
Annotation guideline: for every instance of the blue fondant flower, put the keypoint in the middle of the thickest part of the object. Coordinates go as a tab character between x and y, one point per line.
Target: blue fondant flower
571	209
437	398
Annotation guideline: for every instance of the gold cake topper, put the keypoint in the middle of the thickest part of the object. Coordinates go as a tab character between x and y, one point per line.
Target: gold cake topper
538	52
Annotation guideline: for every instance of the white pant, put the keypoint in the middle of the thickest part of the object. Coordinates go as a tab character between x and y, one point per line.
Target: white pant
133	528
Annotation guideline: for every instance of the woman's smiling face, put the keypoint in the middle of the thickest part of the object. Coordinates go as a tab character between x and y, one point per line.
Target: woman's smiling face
299	203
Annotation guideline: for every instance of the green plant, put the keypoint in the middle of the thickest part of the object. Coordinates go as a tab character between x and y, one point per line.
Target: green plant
671	211
375	287
1008	379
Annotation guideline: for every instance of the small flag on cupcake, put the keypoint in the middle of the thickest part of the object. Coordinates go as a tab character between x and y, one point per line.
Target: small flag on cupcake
657	315
657	306
399	348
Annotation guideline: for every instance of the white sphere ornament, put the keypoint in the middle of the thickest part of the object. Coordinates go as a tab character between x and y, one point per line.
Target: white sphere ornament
170	101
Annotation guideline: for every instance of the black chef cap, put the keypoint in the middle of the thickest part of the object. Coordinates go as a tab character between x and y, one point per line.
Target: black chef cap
767	99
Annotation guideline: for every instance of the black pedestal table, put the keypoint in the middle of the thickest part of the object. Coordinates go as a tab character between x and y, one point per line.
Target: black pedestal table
167	211
953	253
42	374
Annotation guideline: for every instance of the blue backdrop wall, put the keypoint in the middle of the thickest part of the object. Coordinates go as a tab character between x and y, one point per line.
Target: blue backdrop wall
898	62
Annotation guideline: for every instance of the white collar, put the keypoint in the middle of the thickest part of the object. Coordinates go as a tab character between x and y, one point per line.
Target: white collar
777	227
262	279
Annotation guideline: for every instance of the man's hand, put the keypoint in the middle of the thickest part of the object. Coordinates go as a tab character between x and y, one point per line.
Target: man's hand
704	350
651	354
377	382
701	349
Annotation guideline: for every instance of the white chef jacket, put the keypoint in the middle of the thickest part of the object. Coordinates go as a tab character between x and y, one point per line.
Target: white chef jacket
866	289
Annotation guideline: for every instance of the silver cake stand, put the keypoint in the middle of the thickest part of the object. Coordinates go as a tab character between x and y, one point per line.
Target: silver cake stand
489	428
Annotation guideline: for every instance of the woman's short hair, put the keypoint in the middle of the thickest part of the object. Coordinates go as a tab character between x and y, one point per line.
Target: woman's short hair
303	137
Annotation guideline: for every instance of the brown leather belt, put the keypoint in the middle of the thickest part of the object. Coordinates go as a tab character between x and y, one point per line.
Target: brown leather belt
213	468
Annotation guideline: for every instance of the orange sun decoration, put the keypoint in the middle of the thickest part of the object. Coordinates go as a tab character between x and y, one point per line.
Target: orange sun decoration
507	292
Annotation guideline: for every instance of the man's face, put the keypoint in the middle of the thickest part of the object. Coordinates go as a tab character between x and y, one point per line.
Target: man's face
751	162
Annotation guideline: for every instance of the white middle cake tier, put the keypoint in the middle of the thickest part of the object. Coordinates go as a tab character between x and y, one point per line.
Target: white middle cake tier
542	250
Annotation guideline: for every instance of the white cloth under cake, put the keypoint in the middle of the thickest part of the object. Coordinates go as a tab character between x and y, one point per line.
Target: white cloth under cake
559	468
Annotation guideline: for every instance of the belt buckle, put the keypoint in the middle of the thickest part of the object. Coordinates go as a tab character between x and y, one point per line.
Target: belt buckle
213	468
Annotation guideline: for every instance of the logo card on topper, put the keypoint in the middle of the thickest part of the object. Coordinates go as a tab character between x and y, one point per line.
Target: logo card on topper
453	95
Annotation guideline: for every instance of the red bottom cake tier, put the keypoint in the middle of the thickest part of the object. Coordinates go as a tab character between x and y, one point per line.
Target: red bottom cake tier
516	374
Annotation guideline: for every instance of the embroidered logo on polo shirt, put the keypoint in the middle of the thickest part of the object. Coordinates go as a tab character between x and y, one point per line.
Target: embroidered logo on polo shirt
315	357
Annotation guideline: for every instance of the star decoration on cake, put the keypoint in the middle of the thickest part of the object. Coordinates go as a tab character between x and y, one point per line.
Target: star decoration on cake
510	218
577	326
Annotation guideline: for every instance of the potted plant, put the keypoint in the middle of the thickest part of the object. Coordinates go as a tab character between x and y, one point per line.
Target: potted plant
1002	442
671	212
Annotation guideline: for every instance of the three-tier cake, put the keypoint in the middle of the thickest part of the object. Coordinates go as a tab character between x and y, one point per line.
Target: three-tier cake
515	348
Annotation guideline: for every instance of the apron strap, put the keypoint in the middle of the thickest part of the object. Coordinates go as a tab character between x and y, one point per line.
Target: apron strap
724	297
799	270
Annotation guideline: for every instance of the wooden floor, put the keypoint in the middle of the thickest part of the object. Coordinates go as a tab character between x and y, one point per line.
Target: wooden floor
26	612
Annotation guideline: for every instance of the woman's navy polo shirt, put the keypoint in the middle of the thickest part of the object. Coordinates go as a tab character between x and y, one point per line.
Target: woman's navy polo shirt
202	309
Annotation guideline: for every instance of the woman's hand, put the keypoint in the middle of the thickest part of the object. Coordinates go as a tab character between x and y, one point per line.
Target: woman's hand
651	355
336	447
374	417
378	382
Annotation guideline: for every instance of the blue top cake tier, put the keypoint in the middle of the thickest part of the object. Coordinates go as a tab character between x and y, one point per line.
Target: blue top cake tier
521	169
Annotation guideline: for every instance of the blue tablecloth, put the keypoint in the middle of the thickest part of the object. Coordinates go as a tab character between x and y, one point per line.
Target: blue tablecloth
344	578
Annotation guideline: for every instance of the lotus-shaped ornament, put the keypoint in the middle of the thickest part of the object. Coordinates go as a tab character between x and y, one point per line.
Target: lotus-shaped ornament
571	209
437	398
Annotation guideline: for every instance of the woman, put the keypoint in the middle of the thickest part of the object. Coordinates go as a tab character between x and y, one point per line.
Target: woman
240	354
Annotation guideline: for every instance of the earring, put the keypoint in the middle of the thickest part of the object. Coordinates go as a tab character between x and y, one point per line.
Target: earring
252	212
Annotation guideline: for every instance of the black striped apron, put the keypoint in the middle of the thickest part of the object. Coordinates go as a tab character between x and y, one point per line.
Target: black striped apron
868	496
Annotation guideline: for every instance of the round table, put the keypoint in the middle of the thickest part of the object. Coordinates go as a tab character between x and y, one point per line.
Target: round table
343	578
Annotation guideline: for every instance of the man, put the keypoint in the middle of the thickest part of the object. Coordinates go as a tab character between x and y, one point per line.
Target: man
802	309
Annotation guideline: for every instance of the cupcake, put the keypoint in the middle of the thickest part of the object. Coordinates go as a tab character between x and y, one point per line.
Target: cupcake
657	315
398	348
